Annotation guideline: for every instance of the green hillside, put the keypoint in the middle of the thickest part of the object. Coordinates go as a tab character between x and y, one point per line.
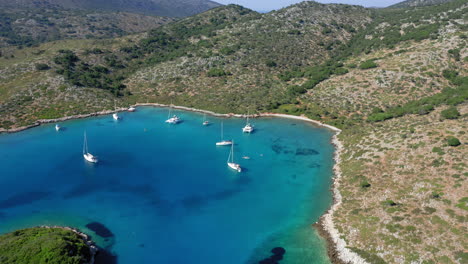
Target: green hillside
172	8
414	3
27	27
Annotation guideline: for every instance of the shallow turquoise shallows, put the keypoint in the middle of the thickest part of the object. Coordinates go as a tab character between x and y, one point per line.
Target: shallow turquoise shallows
165	191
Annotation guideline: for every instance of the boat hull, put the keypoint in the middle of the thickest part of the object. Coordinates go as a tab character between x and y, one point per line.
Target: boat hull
235	166
173	120
224	143
90	158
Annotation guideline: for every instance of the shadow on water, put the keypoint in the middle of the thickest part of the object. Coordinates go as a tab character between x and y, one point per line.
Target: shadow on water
105	257
23	198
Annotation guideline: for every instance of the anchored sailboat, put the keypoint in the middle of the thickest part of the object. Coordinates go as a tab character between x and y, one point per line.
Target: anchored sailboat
230	161
115	116
205	122
248	127
88	156
223	142
57	127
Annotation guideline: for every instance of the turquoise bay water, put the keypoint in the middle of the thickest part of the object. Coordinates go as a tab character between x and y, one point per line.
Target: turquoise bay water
165	191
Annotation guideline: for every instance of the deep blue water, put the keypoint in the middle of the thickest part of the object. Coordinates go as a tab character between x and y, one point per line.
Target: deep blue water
165	191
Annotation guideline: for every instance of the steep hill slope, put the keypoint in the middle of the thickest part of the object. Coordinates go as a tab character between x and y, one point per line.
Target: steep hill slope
174	8
413	3
25	27
196	61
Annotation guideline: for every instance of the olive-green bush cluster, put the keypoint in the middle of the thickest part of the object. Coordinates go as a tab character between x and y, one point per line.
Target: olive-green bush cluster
449	96
82	74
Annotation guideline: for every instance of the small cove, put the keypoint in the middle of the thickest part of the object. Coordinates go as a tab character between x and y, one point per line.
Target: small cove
164	192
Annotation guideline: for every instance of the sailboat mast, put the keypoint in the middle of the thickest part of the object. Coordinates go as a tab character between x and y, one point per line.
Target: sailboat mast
85	144
232	152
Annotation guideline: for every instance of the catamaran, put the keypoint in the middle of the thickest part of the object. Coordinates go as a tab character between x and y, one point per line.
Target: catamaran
223	142
205	122
57	127
248	127
88	156
230	161
174	119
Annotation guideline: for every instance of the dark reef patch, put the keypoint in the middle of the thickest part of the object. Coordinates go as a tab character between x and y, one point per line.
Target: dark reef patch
277	148
225	194
23	198
313	165
100	229
306	152
280	149
198	201
195	201
278	253
243	180
80	190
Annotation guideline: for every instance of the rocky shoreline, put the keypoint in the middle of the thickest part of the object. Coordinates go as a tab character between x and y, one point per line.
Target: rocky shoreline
336	246
93	249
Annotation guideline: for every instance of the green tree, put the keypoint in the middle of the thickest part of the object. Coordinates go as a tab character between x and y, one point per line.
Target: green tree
450	113
368	65
453	141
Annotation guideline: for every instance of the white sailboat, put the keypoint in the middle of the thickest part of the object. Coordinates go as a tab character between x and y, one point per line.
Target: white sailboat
205	122
230	161
248	127
174	119
223	142
115	116
88	156
57	127
131	109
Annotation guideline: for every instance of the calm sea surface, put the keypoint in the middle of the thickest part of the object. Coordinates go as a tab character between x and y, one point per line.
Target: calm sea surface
165	191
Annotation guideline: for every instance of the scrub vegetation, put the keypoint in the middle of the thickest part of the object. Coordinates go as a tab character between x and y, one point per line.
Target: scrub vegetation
43	245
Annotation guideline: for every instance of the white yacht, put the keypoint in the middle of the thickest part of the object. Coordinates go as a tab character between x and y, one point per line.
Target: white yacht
131	109
223	142
248	127
57	127
205	122
88	156
230	161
